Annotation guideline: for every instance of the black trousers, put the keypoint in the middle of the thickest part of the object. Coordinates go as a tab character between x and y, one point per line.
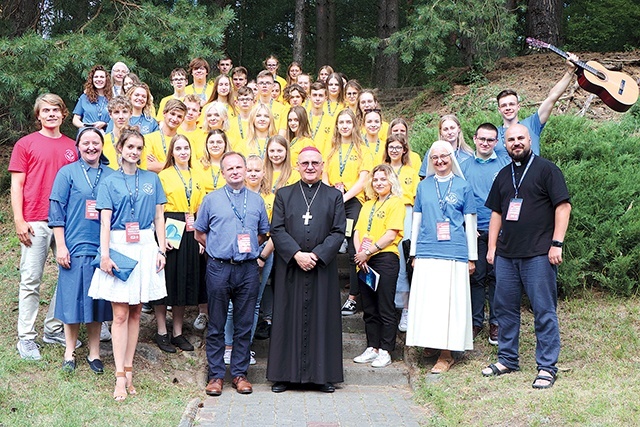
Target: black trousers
352	210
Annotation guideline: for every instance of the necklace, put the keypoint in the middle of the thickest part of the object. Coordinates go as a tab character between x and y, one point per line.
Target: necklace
307	216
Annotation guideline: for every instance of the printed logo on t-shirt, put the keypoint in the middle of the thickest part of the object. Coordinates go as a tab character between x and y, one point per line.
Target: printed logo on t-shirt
70	155
452	198
380	215
147	188
408	180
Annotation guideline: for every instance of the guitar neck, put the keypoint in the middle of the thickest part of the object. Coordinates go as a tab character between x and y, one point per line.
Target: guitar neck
580	64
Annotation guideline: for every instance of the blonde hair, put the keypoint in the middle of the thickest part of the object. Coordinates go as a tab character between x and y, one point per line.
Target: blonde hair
356	136
392	177
265	188
222	112
462	145
252	137
269	168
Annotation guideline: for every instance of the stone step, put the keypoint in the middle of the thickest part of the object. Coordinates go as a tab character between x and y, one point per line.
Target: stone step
354	374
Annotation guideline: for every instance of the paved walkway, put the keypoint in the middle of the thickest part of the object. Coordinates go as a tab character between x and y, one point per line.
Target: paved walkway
350	405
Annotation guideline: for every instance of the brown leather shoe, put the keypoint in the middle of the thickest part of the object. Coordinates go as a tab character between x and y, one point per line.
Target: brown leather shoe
493	334
476	331
242	385
214	388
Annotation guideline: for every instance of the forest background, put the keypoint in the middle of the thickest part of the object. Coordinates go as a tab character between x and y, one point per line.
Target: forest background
49	45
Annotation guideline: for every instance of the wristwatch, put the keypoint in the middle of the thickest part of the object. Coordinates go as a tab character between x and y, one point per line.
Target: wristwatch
557	243
164	254
367	252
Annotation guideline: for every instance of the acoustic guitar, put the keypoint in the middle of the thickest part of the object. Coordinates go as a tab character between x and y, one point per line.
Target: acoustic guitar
618	90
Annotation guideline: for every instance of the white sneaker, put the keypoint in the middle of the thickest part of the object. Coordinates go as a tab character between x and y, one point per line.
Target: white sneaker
227	356
105	335
383	359
404	320
369	355
58	338
201	322
252	361
28	350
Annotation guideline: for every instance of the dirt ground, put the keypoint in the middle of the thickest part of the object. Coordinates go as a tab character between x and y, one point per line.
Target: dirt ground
533	75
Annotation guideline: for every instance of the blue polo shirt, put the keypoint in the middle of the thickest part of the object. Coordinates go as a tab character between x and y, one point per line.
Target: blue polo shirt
535	129
91	112
226	213
480	175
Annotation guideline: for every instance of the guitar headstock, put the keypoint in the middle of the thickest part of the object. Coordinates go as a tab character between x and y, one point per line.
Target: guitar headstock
538	44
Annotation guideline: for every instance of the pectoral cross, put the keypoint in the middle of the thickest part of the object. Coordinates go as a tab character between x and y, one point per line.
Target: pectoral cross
307	217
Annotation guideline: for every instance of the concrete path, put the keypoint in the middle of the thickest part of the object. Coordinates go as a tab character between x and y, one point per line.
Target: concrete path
350	405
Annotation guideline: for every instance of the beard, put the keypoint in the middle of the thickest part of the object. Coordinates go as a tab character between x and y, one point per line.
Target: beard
521	156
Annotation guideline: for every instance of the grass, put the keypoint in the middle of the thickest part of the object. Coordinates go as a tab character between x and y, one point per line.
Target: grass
597	384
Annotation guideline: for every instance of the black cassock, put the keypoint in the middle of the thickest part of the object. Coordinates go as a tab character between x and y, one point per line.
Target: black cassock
306	334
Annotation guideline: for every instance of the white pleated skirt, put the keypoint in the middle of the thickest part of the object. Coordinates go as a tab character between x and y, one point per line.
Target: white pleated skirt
145	283
440	305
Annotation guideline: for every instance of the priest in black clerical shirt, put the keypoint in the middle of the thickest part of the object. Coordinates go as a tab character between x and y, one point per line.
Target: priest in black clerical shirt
307	229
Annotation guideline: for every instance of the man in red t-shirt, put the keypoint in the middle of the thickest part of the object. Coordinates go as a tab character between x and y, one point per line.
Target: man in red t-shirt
35	160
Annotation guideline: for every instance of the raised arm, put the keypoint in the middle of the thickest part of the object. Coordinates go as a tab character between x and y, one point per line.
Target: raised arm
544	111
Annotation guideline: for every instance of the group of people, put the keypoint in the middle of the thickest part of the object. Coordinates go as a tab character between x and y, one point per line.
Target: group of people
229	185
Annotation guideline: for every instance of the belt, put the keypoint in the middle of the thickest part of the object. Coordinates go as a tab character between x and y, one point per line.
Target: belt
232	261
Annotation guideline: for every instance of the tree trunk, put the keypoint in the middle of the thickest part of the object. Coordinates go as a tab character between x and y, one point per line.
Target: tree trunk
322	29
386	65
543	20
19	16
331	34
299	31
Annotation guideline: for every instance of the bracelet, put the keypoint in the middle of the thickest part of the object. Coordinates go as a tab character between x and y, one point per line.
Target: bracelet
162	253
377	246
261	258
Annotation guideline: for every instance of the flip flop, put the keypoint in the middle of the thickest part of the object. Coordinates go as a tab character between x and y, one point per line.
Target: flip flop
550	381
496	372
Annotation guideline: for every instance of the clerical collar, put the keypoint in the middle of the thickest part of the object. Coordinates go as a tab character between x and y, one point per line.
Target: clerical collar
524	161
233	191
311	185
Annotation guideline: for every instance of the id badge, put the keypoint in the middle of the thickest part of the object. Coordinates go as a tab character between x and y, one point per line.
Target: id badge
443	231
90	211
244	243
189	219
365	244
132	230
513	213
339	186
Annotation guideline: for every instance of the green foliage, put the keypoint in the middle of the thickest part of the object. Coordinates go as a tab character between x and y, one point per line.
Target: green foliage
602	25
475	32
151	40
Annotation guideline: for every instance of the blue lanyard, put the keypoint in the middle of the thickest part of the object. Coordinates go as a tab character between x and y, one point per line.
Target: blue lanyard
132	198
240	126
187	189
513	174
442	200
164	144
235	211
374	211
215	177
315	132
86	175
344	164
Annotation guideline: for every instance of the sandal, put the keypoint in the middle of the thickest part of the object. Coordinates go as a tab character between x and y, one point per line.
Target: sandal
130	388
550	379
495	371
443	365
119	396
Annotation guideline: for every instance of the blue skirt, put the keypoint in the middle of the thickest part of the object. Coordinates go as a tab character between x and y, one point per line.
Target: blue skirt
73	304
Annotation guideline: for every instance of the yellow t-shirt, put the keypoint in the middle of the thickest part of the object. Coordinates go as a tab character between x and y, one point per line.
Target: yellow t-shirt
259	148
322	132
294	177
269	199
175	188
387	215
376	149
383	133
415	160
409	180
203	95
296	145
283	84
210	177
109	150
157	143
333	108
345	166
163	102
196	139
237	133
279	112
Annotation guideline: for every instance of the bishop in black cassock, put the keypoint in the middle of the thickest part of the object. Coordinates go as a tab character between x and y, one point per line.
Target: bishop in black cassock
307	229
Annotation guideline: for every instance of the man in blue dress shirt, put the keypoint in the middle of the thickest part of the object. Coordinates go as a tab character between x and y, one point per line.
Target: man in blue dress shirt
231	224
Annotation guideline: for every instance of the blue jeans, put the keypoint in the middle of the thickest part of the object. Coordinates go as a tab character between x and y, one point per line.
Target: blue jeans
483	284
537	277
239	284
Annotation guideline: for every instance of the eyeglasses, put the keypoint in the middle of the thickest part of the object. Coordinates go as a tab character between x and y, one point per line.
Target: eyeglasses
394	148
441	157
352	94
178	79
486	140
307	164
265	83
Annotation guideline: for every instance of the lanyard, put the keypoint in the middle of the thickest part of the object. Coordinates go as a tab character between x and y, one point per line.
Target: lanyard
100	106
329	108
86	175
262	152
132	198
398	171
441	200
293	142
364	136
164	144
315	132
233	206
240	126
344	164
187	189
374	211
215	177
203	94
513	174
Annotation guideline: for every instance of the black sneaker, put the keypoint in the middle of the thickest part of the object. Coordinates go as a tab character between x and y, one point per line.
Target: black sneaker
164	343
147	308
181	342
349	307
